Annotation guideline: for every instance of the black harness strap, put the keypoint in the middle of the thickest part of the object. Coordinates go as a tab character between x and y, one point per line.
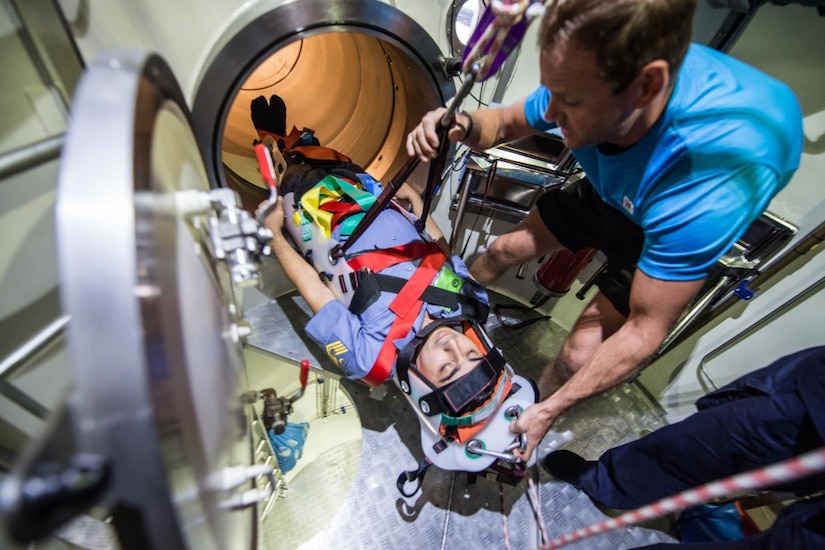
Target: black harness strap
370	285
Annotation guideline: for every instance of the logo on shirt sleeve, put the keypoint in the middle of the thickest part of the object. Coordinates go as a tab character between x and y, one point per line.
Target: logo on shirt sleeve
627	204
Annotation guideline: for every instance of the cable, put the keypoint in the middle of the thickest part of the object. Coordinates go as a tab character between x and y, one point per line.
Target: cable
788	470
498	308
504	524
536	502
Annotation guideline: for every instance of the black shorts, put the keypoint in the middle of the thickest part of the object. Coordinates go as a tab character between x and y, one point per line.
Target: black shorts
579	218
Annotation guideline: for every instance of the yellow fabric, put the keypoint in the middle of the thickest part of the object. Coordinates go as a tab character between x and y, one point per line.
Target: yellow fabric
311	203
329	189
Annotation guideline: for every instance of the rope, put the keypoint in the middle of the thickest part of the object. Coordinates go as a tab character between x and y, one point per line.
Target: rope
504	517
557	440
449	509
536	503
788	470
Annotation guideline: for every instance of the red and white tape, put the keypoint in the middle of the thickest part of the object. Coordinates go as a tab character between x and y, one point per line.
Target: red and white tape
781	472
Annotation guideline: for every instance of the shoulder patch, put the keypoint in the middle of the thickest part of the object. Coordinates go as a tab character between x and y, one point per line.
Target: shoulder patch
338	352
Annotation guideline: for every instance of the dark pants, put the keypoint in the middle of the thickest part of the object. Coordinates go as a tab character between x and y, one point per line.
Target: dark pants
579	218
764	417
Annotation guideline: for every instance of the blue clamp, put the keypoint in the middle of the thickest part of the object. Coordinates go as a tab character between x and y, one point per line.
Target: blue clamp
743	291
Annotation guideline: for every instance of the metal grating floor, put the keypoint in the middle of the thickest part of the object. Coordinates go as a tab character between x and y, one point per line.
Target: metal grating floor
449	512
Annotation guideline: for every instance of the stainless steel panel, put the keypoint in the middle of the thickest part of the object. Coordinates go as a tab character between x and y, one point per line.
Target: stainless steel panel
153	340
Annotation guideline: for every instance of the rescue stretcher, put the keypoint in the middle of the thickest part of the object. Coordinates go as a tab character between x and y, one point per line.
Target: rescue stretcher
489	448
489	451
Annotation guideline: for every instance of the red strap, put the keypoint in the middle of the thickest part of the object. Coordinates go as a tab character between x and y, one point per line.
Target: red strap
263	133
420	280
378	260
337	206
340	210
406	306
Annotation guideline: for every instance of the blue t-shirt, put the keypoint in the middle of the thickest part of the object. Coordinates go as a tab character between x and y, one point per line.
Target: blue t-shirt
727	143
354	341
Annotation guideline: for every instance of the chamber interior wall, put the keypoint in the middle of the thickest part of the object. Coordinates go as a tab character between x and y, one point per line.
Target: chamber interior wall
359	93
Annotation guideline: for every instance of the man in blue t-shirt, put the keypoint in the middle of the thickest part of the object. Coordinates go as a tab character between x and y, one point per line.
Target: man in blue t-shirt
683	148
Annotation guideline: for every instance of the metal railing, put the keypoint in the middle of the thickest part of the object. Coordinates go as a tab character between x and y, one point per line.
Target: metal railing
30	156
23	354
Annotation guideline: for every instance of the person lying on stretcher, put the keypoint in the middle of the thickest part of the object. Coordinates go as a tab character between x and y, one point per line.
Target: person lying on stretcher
396	290
394	285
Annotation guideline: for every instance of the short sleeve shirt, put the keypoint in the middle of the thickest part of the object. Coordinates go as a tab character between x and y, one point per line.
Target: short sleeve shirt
727	143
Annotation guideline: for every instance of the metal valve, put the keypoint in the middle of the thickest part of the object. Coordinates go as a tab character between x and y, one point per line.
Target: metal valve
277	409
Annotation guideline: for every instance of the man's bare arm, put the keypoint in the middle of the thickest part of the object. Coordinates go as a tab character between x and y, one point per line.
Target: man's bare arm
655	306
490	126
496	125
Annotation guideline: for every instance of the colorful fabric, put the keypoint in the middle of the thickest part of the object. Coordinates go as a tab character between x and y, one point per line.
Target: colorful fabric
322	204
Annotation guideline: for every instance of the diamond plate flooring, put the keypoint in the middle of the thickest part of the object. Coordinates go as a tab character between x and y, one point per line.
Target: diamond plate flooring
451	511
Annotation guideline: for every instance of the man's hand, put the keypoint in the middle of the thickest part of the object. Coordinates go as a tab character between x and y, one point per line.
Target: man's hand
535	421
422	141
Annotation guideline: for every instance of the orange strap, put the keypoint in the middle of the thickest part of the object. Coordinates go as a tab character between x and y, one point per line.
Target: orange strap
406	306
263	133
462	434
316	152
292	137
311	151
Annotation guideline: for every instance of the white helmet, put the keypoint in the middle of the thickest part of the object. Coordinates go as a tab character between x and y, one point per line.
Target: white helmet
470	399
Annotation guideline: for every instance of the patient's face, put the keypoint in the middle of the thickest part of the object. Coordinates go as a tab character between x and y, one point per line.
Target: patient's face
446	355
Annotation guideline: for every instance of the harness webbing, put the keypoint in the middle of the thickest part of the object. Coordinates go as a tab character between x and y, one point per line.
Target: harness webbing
406	306
300	143
378	260
318	152
370	284
411	293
